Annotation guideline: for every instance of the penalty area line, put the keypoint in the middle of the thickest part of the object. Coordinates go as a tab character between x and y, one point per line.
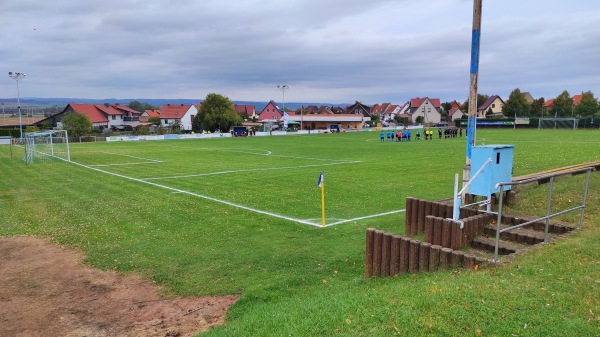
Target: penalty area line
275	215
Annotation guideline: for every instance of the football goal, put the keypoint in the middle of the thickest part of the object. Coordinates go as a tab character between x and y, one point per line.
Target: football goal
47	145
558	123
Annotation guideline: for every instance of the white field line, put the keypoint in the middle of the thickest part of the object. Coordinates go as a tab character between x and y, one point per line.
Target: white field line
249	170
147	160
266	153
284	217
367	217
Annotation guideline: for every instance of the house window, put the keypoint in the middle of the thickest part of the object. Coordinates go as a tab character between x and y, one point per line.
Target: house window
114	117
166	122
494	105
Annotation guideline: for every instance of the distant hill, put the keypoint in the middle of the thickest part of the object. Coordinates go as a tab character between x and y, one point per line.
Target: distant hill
34	101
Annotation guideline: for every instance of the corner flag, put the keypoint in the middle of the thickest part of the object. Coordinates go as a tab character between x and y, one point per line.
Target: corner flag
321	184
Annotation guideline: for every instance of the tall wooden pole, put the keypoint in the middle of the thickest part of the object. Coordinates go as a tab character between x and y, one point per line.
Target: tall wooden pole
472	112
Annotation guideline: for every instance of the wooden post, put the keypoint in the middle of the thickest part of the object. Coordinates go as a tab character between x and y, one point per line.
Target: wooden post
437	231
386	249
445	258
421	219
435	209
369	253
404	252
408	216
428	206
413	257
456	235
442	211
456	258
429	223
434	258
446	233
424	253
377	253
395	255
414	228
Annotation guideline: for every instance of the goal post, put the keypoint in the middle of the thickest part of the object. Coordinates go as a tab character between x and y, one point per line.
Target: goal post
558	123
47	145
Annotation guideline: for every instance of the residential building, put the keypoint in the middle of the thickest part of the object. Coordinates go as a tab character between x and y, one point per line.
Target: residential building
428	108
455	113
493	105
270	112
359	109
178	116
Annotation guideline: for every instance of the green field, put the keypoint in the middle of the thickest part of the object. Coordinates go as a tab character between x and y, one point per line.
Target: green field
242	216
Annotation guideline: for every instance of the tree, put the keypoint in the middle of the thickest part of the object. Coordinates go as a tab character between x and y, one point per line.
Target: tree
563	105
588	106
77	125
216	113
516	105
154	120
480	100
537	107
141	107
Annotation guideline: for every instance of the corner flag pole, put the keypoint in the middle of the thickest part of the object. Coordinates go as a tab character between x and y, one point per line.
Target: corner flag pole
321	184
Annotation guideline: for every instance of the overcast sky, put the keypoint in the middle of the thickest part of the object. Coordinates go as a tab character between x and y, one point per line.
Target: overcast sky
334	51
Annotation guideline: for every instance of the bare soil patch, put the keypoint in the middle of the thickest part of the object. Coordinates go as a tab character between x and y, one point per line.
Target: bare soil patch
46	291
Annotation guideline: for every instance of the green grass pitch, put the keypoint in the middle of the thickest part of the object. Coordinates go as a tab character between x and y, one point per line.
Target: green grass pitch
242	216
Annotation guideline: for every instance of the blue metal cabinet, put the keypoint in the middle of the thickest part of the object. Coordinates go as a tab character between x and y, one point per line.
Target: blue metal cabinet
497	171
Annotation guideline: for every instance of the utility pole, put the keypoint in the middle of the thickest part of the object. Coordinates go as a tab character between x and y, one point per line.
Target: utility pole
17	77
472	111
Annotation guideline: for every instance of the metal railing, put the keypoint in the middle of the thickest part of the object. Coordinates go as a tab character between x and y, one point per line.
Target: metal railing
548	216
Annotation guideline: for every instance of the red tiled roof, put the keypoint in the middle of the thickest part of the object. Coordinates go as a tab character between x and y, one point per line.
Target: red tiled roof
153	113
109	110
174	111
416	102
577	99
90	111
549	103
453	111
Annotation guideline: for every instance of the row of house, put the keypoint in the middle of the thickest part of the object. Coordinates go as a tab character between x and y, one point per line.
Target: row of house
181	116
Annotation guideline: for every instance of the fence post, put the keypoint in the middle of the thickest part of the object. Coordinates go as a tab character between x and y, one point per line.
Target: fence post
369	253
434	258
437	231
445	254
414	228
429	223
424	253
421	219
377	253
395	256
404	253
413	257
408	216
446	233
386	248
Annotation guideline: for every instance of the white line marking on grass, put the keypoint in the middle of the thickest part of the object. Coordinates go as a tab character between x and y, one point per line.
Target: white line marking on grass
249	170
284	217
266	153
147	160
367	217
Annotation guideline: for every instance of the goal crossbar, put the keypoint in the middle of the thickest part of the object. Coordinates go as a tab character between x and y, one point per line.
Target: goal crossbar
46	145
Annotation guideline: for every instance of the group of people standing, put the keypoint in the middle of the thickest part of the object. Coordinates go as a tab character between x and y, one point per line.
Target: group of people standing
406	135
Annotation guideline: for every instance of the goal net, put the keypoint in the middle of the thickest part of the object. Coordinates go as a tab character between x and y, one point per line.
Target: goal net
45	146
558	123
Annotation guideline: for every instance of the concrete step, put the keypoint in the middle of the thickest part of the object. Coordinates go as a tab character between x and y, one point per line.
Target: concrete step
504	247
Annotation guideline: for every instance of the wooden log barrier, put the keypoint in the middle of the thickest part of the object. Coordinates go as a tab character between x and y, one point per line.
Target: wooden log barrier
369	252
386	248
469	261
395	255
413	257
437	231
446	233
435	209
445	259
456	258
421	218
429	223
414	228
424	253
408	216
456	235
428	208
378	242
404	253
434	258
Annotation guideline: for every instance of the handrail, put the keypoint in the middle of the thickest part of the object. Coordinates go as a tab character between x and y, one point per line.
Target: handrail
551	177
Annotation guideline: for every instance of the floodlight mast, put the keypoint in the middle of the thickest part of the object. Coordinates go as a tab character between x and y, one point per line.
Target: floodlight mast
17	77
472	112
283	88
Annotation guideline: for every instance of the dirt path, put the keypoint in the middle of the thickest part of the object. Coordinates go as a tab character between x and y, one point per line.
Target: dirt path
46	291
